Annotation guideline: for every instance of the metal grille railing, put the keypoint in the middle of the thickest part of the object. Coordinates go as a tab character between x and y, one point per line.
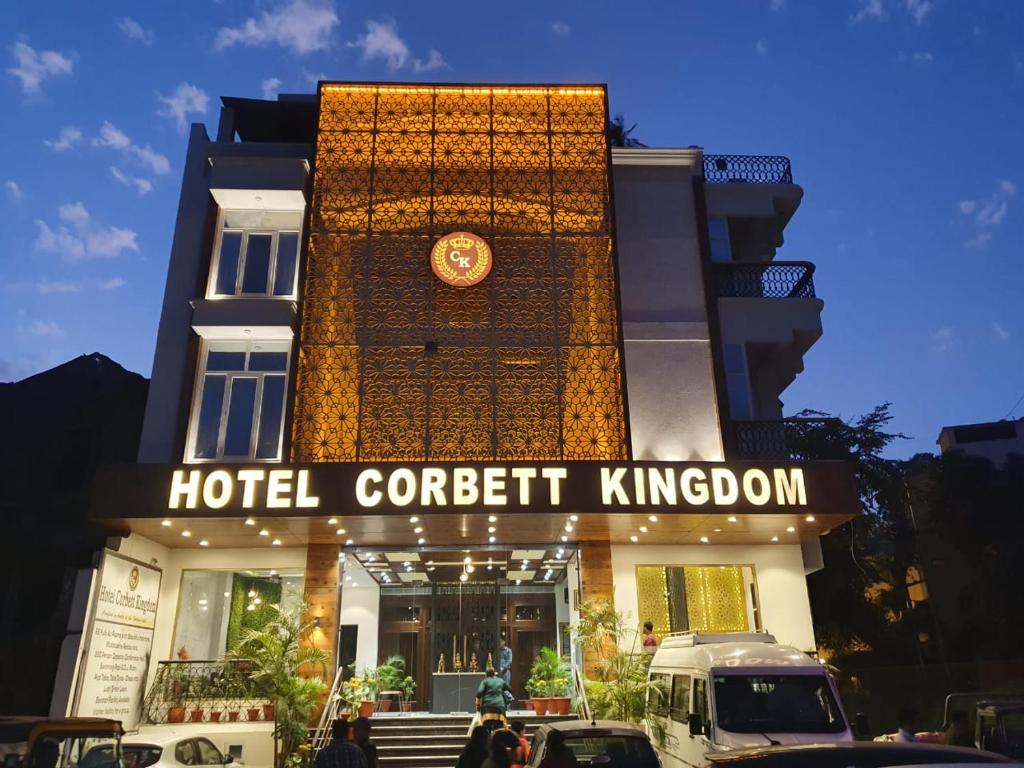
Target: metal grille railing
795	438
772	280
747	169
205	691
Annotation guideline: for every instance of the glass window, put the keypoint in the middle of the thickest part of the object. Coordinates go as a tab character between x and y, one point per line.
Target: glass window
227	267
777	704
185	753
257	263
240	405
680	698
659	693
257	254
612	751
698	598
208	754
287	258
216	608
700	699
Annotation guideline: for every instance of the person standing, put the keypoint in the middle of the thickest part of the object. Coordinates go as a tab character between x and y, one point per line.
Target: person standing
341	753
650	639
362	740
518	727
505	662
475	751
490	696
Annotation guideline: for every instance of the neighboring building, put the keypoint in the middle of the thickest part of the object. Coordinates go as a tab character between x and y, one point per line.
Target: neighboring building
419	363
992	440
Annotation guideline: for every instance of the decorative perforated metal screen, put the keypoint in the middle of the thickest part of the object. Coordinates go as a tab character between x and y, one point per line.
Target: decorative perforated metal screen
394	364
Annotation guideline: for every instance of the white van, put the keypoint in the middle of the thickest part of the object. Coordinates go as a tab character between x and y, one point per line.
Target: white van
721	691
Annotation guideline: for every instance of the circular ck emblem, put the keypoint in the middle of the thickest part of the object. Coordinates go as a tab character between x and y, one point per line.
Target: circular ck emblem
133	578
461	259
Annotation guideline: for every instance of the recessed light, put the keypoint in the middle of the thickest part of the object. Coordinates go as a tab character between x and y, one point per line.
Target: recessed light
574	518
703	539
186	533
718	530
492	539
731	518
430	562
809	518
227	594
340	531
418	529
264	532
518	582
204	543
491	529
790	529
470	569
643	529
349	542
431	568
165	523
565	539
653	518
634	539
421	540
467	560
406	563
775	538
492	518
463	576
568	527
250	521
332	521
414	519
276	542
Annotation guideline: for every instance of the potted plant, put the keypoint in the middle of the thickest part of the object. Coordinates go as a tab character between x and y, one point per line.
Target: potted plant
537	687
552	669
389	676
561	701
408	689
175	688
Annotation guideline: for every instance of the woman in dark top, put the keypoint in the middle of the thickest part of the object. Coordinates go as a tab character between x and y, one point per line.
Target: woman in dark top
475	751
490	695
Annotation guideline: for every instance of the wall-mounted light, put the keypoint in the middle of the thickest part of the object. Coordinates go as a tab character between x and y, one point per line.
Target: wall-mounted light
316	622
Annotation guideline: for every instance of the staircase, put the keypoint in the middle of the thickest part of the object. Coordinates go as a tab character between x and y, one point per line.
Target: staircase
432	741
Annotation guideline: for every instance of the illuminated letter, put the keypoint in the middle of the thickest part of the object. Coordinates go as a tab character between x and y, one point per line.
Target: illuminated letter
302	497
278	488
663	487
432	490
638	485
371	499
555	475
524	475
464	489
248	478
694	485
405	478
723	481
494	486
221	479
178	488
790	489
611	483
763	494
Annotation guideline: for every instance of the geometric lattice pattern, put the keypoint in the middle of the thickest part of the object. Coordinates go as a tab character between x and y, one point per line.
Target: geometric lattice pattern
713	598
395	365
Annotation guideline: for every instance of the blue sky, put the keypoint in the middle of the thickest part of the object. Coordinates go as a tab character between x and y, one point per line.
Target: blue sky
903	120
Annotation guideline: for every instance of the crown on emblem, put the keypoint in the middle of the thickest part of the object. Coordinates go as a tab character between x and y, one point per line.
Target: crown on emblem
461	243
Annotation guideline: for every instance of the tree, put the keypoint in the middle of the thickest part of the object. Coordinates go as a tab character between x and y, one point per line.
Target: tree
621	136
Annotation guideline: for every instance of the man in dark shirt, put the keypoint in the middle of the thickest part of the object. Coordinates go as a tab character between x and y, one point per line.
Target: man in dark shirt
362	740
341	753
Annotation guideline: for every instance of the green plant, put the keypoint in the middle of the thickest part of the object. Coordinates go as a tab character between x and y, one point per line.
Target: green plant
389	675
549	674
354	691
175	685
407	687
276	653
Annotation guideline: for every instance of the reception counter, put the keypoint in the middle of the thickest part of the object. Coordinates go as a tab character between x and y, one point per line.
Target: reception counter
455	691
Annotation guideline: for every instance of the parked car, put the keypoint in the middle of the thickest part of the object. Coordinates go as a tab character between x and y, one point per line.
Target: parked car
604	743
168	751
58	742
729	690
857	754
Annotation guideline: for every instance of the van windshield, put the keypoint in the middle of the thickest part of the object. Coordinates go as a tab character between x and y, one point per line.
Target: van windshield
776	704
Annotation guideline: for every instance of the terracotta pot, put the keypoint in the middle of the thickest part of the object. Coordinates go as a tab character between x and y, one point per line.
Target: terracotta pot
268	711
385	705
176	715
407	706
215	716
233	716
540	706
561	705
195	716
252	713
366	708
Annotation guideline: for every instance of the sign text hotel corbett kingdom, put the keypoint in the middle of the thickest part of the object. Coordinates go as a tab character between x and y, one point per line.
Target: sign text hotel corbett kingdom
525	487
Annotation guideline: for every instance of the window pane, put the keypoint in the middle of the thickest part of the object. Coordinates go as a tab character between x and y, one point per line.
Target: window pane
227	268
268	361
287	256
240	412
271	413
680	698
209	417
257	264
225	361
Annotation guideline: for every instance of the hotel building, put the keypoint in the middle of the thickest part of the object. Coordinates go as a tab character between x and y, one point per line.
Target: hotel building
442	362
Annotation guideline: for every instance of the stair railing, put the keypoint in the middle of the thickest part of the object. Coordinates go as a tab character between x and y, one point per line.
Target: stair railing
322	736
580	688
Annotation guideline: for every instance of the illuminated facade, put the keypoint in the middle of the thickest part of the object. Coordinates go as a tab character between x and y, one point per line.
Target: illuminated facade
442	362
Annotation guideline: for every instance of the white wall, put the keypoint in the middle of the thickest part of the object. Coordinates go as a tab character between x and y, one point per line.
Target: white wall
360	605
779	568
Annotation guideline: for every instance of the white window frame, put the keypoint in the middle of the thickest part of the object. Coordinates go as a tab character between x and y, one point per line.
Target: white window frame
197	398
275	233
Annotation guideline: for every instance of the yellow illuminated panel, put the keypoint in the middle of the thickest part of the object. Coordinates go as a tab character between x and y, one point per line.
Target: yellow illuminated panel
396	365
713	597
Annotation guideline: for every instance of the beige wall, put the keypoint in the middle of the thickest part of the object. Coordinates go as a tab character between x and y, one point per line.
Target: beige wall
779	568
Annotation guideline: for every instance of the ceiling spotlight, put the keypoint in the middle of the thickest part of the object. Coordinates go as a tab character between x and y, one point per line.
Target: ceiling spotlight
276	542
406	563
227	594
418	529
250	521
332	521
492	539
431	568
414	519
186	534
775	538
703	539
467	560
731	518
643	529
370	558
165	523
790	529
421	540
718	530
653	518
574	518
349	542
264	532
340	531
204	543
490	567
518	582
470	569
634	539
463	576
565	539
430	562
568	527
492	518
809	518
526	564
491	529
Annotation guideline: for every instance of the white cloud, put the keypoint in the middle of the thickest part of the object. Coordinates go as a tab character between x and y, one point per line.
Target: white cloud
45	286
918	9
943	340
761	47
313	77
303	26
270	87
186	99
869	9
134	31
434	61
13	189
559	29
32	67
923	57
987	213
68	137
43	328
76	238
1000	333
141	185
381	41
114	138
111	283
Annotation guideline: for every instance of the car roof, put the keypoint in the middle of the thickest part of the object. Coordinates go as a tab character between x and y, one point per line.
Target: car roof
872	752
18	729
737	656
612	727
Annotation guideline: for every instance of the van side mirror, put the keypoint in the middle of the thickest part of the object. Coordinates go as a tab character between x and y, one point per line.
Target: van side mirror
861	728
696	723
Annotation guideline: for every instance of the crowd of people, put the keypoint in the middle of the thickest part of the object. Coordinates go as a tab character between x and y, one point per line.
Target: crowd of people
509	748
350	747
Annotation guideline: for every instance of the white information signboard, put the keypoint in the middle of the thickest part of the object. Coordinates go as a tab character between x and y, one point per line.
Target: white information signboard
119	640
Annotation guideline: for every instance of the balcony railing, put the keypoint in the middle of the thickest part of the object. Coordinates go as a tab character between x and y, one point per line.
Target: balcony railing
205	691
795	439
747	169
771	280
